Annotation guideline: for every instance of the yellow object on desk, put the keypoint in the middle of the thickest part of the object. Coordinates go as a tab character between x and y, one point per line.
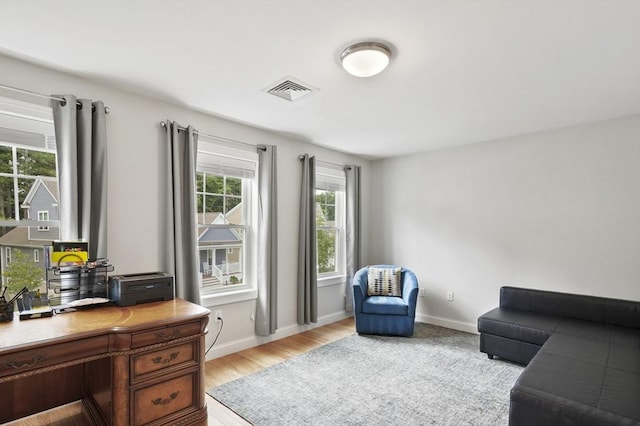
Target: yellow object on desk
66	258
68	253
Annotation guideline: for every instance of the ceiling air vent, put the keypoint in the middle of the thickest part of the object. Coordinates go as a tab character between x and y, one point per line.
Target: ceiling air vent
290	89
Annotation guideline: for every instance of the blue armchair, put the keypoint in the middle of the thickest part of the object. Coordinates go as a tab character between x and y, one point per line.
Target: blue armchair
387	315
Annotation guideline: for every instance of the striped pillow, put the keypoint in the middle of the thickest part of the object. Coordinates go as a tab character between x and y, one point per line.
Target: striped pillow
384	282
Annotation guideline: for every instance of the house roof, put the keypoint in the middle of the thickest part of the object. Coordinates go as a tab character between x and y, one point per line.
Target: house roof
19	237
50	185
218	236
210	236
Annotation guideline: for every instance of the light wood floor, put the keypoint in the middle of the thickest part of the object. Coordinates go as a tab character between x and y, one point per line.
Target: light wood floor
219	371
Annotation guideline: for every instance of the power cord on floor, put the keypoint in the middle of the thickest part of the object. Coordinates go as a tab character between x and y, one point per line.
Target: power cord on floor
217	335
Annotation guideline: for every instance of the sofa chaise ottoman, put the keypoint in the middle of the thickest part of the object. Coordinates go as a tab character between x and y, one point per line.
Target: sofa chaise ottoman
582	355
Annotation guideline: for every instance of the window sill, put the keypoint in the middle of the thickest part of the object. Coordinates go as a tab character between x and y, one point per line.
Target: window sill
332	280
209	300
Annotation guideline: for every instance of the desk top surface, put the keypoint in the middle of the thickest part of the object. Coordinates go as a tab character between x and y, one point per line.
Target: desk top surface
93	321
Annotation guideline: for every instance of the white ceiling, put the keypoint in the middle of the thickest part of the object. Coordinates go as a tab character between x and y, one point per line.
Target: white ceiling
461	72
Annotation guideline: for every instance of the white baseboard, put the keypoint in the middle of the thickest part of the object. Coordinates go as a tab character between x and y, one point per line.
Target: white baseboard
238	345
443	322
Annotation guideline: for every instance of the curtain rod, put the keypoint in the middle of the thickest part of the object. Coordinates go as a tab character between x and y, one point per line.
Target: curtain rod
63	101
163	124
328	163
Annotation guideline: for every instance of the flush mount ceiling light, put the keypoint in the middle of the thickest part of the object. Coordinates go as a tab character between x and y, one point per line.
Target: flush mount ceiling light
365	59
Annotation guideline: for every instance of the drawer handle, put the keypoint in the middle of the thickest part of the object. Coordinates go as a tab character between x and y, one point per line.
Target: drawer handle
165	401
160	360
164	336
16	365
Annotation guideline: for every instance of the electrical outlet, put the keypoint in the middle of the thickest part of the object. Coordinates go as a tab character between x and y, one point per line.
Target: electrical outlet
217	315
422	292
450	296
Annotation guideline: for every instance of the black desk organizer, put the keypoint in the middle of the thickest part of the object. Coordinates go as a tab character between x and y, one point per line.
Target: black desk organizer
68	283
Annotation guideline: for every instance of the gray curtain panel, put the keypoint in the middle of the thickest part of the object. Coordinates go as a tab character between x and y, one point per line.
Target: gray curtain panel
81	140
307	263
352	192
182	246
267	274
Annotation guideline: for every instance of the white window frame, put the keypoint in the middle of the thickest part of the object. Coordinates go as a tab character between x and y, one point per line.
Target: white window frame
333	179
43	216
233	157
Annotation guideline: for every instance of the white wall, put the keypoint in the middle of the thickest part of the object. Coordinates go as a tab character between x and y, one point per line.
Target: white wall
557	210
135	198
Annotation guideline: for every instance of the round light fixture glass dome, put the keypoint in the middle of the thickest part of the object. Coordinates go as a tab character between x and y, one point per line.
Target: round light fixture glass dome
365	59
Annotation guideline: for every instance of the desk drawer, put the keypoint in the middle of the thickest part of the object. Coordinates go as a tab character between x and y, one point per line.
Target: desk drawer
30	359
163	399
179	356
164	334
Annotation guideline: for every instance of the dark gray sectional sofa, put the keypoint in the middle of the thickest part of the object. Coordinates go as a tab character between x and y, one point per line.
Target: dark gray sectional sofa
582	355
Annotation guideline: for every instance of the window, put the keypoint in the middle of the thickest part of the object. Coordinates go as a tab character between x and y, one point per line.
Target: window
225	187
330	217
43	216
28	179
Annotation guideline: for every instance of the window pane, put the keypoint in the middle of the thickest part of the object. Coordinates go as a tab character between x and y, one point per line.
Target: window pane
36	163
24	186
7	203
214	204
199	203
326	242
6	160
214	184
199	182
232	202
234	186
321	218
325	207
330	213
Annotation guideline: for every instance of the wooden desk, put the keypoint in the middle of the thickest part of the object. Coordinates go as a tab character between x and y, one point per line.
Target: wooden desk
137	365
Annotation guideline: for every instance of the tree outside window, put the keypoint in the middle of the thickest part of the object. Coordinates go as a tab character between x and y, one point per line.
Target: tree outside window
22	272
217	194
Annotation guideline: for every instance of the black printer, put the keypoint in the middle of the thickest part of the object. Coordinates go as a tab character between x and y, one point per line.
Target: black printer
133	289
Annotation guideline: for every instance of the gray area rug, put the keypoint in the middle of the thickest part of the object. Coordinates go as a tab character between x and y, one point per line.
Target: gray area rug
436	377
